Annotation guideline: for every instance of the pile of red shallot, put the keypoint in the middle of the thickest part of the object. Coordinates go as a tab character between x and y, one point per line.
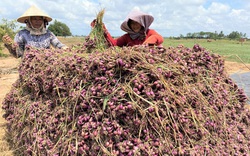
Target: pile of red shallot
130	101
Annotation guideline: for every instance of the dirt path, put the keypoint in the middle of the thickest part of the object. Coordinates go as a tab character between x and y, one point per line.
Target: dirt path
9	74
234	67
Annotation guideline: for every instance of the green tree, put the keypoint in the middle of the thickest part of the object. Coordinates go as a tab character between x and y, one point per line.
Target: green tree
59	29
202	34
181	36
189	35
7	27
235	35
221	35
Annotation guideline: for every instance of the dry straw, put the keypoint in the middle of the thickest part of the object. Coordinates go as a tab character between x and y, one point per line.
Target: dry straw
97	33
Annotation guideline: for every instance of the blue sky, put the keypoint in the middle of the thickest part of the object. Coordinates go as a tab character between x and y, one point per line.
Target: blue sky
172	17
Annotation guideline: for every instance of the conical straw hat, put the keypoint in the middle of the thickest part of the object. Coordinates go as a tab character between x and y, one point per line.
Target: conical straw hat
33	11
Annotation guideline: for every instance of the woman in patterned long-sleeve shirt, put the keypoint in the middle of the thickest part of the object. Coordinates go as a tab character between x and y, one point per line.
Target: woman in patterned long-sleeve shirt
33	35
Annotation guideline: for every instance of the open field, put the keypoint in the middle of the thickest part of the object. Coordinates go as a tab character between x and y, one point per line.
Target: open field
237	58
231	50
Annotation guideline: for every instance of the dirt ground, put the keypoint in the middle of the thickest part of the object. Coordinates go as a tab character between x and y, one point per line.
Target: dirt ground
9	74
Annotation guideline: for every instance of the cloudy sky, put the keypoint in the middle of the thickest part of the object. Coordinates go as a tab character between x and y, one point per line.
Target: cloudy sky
172	17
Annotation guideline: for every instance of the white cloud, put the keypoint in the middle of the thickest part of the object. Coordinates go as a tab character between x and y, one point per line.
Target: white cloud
172	17
240	15
218	8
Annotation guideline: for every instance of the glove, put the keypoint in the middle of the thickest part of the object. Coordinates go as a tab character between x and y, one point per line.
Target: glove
65	48
7	40
93	24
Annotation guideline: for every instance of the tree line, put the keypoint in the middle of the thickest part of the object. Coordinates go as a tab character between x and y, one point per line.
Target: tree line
61	29
234	35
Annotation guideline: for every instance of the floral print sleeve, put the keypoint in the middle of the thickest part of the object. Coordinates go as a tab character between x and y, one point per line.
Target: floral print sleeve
55	41
24	39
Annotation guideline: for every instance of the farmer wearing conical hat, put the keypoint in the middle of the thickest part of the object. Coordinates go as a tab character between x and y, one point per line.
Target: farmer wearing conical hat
136	26
34	34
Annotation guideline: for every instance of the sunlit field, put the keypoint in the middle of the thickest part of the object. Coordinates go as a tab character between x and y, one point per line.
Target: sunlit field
231	50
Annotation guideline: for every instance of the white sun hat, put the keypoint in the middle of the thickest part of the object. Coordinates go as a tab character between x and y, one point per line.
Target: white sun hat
33	11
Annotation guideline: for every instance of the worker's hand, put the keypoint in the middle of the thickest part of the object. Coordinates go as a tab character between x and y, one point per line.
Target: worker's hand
92	24
148	44
7	40
65	48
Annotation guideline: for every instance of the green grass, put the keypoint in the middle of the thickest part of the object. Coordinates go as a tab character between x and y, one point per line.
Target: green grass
69	41
231	50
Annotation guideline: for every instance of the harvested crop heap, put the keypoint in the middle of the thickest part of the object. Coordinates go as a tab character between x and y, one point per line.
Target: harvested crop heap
127	101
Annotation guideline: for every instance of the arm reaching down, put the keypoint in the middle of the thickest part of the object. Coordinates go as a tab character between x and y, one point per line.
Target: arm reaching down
153	38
